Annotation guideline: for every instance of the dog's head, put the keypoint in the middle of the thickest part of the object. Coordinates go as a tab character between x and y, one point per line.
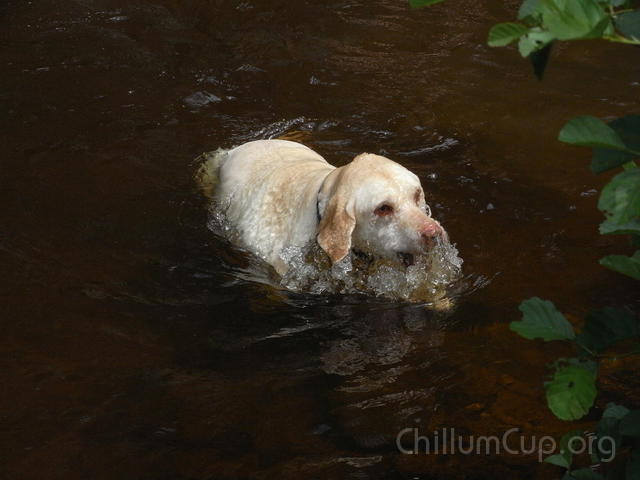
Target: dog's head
377	206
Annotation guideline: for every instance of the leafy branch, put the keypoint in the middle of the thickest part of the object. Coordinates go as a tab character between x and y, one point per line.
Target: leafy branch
542	22
571	391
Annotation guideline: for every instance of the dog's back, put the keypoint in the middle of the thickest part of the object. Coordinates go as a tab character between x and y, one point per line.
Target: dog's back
252	164
248	162
268	191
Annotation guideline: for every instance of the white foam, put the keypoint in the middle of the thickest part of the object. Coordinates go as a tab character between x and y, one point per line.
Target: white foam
425	281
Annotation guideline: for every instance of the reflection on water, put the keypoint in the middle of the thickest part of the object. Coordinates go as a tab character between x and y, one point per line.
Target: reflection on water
137	344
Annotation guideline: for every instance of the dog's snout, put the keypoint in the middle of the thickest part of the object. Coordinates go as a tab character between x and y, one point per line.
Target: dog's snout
430	231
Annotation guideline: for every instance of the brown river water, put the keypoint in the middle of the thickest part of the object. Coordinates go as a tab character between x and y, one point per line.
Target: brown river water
136	344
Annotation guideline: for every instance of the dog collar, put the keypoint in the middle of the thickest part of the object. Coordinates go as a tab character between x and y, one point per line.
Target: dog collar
318	199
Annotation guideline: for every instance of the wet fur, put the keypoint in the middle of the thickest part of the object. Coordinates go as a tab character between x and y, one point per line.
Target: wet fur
271	192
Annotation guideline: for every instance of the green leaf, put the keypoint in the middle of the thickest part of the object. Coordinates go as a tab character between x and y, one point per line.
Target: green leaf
615	411
586	474
610	30
605	25
628	129
587	131
565	457
604	159
605	327
608	428
628	24
571	393
557	460
571	19
630	424
609	425
534	41
622	264
528	9
541	319
504	33
620	202
423	3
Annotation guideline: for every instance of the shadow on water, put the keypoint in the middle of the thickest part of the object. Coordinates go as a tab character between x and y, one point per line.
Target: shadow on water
139	345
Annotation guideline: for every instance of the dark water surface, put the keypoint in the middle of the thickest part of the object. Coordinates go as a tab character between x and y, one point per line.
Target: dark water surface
134	346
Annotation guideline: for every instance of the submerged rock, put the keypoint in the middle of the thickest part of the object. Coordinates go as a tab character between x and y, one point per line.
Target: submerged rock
200	99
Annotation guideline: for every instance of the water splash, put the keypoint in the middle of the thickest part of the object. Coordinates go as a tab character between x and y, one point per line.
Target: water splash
426	281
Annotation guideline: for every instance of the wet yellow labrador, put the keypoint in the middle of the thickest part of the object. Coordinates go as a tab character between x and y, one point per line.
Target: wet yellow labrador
277	194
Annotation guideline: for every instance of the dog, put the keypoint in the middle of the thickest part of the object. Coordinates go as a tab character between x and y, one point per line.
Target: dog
277	194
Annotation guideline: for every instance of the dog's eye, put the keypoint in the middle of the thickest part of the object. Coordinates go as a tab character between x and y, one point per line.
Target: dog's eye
417	197
384	209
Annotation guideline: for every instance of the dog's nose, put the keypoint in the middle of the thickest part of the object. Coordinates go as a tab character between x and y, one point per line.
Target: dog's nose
430	231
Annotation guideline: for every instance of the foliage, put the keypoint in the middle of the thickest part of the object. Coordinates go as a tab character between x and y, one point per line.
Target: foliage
621	427
542	320
423	3
571	391
616	144
542	22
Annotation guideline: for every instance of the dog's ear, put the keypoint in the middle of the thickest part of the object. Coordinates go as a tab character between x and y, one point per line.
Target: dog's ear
336	226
